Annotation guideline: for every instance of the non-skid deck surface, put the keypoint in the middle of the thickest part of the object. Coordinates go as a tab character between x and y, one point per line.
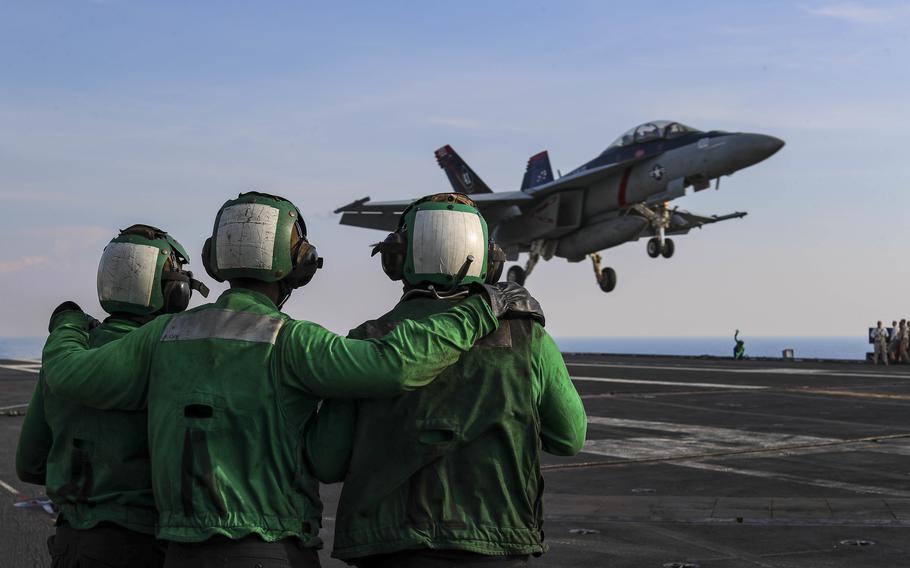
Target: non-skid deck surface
704	462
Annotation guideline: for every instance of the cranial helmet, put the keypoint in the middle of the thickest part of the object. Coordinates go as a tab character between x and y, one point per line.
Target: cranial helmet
141	273
435	238
261	237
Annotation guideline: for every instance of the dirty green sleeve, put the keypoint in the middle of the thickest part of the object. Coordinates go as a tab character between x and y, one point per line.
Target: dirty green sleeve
330	439
114	376
328	365
35	440
564	423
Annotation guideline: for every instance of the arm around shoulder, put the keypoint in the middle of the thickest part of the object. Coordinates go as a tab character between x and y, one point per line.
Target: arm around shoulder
114	376
329	365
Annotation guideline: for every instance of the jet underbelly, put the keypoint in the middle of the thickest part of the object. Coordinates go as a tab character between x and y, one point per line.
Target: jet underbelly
555	216
599	236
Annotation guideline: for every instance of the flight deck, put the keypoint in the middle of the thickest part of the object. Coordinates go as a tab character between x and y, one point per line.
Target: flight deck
690	462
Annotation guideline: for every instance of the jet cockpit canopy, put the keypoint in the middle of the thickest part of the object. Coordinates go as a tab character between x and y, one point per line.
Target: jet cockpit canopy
655	130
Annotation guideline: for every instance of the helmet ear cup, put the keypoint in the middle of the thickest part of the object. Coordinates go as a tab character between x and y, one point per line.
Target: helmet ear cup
392	254
496	259
176	292
208	261
306	261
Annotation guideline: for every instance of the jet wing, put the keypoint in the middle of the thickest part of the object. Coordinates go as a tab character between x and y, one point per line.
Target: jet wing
681	222
383	215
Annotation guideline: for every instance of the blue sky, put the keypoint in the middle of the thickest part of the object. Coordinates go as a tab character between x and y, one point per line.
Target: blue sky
116	112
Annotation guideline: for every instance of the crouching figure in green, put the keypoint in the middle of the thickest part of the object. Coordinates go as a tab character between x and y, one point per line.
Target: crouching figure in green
231	385
93	463
449	474
739	350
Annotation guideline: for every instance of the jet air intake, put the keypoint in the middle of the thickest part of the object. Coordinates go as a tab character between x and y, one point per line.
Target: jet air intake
603	235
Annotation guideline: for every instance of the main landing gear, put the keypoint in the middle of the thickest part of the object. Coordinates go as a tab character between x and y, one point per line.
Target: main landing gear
606	277
518	274
655	248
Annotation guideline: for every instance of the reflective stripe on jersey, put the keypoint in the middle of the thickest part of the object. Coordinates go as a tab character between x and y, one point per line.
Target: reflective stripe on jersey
223	324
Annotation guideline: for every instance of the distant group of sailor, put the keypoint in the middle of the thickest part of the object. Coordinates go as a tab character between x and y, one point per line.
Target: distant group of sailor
891	344
179	437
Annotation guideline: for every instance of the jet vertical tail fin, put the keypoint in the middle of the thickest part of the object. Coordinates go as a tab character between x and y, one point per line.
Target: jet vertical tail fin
538	171
460	174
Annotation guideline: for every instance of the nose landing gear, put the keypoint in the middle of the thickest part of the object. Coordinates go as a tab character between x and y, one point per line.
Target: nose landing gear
668	248
659	217
655	248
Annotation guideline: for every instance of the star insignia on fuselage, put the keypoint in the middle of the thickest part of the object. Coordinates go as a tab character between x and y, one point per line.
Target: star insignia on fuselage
657	172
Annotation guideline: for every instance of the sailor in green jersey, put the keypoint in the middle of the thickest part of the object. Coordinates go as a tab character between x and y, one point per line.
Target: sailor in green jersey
230	387
739	350
450	474
95	463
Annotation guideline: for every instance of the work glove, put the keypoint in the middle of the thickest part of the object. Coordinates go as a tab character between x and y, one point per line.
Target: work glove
70	313
510	300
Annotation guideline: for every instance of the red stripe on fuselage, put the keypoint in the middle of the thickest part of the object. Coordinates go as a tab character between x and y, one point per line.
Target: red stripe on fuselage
622	186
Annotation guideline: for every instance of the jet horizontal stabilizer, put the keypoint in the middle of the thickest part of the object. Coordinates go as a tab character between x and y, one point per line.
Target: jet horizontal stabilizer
352	205
370	220
382	215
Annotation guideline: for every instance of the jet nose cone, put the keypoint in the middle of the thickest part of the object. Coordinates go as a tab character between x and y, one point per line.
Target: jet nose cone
769	144
734	151
759	147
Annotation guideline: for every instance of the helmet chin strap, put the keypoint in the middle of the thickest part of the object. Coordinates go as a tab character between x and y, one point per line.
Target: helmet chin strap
450	293
285	292
431	292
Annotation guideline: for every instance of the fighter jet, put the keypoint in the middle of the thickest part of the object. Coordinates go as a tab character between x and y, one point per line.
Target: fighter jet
620	196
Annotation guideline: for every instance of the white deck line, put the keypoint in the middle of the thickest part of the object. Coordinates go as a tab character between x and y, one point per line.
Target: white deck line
778	476
752	371
691	441
669	383
9	487
27	368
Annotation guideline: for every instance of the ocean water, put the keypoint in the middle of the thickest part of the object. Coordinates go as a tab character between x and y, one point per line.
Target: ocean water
804	347
21	347
850	347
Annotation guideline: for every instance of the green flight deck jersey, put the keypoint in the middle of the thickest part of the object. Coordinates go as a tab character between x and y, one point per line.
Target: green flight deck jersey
94	463
230	387
456	465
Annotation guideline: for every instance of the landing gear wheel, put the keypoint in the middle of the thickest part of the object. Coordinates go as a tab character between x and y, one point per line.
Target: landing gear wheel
517	275
668	249
653	247
608	280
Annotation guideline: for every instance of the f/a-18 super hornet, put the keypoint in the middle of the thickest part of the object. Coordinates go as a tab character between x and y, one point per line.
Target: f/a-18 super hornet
621	195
